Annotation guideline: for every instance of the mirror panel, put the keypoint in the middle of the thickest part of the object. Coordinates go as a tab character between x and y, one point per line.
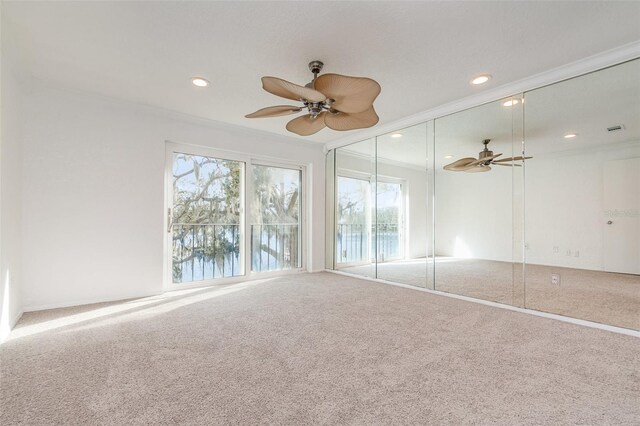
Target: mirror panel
355	203
558	231
583	197
474	207
402	221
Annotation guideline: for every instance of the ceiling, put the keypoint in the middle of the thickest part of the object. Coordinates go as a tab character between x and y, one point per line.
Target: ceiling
422	53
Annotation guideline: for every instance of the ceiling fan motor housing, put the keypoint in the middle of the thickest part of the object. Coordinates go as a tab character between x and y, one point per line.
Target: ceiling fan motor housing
485	152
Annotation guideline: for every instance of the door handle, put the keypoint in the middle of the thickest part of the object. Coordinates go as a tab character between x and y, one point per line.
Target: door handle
609	222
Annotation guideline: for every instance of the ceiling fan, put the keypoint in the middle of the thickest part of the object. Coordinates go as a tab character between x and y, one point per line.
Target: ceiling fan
485	159
336	101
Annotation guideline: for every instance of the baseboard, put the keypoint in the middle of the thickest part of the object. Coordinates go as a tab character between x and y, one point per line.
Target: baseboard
89	301
600	326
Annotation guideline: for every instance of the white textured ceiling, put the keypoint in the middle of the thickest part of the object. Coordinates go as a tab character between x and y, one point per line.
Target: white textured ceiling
422	53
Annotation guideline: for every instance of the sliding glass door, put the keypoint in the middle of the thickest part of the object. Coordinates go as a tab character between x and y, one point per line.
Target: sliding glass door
206	218
276	226
230	216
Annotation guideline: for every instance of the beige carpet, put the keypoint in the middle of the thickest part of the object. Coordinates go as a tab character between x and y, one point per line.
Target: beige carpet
313	349
603	297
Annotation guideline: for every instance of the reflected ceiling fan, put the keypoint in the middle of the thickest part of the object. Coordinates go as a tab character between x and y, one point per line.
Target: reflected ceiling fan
483	163
336	101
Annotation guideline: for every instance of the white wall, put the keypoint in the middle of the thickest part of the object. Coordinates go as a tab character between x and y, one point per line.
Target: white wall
93	200
10	193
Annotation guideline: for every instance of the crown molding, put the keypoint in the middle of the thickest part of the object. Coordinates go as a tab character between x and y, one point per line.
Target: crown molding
589	64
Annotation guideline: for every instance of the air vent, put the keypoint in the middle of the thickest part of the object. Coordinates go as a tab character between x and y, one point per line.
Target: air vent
617	128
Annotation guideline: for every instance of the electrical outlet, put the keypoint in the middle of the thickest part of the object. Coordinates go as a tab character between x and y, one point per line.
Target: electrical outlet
568	252
555	279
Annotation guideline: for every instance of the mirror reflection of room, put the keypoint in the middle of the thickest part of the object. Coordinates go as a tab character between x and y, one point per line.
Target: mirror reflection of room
478	163
402	203
583	259
355	244
469	203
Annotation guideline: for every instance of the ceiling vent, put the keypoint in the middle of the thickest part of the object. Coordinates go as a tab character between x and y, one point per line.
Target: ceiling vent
617	128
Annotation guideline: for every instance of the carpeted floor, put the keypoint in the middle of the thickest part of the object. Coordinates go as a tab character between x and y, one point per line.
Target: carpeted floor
603	297
313	349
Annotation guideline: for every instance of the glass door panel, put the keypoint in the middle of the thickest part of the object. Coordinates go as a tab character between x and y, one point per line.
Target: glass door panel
206	218
276	227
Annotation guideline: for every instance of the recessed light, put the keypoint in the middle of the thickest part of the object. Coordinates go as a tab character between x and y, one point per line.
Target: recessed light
570	135
396	135
481	79
448	156
200	82
510	102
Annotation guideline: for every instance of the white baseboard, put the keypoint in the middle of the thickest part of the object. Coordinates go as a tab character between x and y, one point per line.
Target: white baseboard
612	328
89	301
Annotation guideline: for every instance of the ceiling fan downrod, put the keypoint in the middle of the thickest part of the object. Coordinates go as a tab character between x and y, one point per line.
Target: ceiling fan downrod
316	108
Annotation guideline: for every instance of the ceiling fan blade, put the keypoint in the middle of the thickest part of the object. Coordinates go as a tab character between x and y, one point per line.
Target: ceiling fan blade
349	94
344	121
478	169
274	111
484	160
506	164
285	89
459	165
307	125
504	160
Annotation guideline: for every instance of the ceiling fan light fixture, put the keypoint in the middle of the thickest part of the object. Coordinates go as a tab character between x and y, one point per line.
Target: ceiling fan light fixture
336	101
481	79
199	81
